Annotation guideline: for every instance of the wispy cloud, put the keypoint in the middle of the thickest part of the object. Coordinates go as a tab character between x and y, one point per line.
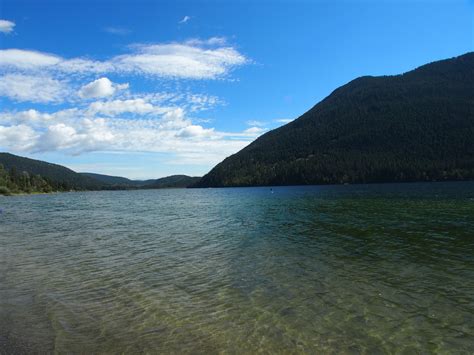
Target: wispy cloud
284	120
256	123
33	88
177	60
117	31
209	59
6	26
118	107
185	19
27	60
213	41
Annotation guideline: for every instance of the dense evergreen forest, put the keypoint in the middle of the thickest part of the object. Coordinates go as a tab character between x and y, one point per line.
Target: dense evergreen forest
14	182
418	126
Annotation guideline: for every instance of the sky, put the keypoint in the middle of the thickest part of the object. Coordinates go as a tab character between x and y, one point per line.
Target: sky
146	89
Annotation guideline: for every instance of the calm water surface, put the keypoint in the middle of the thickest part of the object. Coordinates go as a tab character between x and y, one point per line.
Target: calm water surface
335	269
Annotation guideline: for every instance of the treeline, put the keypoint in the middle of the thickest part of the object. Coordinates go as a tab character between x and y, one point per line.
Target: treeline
13	182
350	168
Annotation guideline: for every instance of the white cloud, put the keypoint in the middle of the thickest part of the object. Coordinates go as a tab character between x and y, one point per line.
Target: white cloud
6	26
102	87
181	61
83	66
30	117
43	89
116	121
284	120
117	107
28	60
185	19
254	131
193	131
18	137
194	59
76	131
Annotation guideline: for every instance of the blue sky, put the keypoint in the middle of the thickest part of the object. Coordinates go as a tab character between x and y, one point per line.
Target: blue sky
146	89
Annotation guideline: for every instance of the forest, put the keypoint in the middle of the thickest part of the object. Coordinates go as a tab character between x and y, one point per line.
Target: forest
14	182
418	126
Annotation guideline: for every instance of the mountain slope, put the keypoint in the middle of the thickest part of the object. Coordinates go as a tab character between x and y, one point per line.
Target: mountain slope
166	182
173	181
412	127
117	180
59	176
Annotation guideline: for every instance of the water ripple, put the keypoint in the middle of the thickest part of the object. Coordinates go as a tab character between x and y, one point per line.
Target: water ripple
346	269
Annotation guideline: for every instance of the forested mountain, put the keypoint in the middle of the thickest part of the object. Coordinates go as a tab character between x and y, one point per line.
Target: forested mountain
24	175
173	181
59	177
418	126
117	180
166	182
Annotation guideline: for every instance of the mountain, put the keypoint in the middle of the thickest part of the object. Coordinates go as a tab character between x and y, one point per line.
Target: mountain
117	180
418	126
19	174
166	182
59	177
173	181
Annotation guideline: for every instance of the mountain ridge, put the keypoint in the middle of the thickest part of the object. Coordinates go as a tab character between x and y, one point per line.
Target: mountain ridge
20	173
415	126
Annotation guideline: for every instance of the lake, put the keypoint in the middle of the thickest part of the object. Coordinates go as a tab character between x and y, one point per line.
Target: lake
318	269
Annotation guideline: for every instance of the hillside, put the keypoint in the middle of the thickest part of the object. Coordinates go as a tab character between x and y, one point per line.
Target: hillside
12	182
166	182
117	180
24	175
59	177
418	126
173	181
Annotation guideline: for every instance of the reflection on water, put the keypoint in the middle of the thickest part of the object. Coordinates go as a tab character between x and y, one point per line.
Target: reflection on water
336	269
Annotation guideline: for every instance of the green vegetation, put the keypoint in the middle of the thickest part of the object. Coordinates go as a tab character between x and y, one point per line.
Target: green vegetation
13	182
24	175
60	177
117	182
418	126
173	181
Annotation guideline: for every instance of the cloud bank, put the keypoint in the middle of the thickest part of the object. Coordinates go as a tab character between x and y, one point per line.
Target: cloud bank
88	105
102	126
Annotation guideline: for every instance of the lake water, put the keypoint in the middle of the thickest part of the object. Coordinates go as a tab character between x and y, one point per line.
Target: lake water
331	269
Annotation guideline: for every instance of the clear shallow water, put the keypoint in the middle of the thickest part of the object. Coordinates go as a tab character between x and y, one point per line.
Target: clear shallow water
335	269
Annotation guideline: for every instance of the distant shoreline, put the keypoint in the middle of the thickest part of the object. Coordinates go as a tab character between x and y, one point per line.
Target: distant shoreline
234	187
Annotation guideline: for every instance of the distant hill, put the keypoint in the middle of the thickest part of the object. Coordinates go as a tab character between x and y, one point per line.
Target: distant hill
418	126
174	181
166	182
20	174
117	180
60	177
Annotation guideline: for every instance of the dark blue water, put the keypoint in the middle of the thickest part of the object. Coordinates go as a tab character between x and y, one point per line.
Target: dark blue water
334	269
